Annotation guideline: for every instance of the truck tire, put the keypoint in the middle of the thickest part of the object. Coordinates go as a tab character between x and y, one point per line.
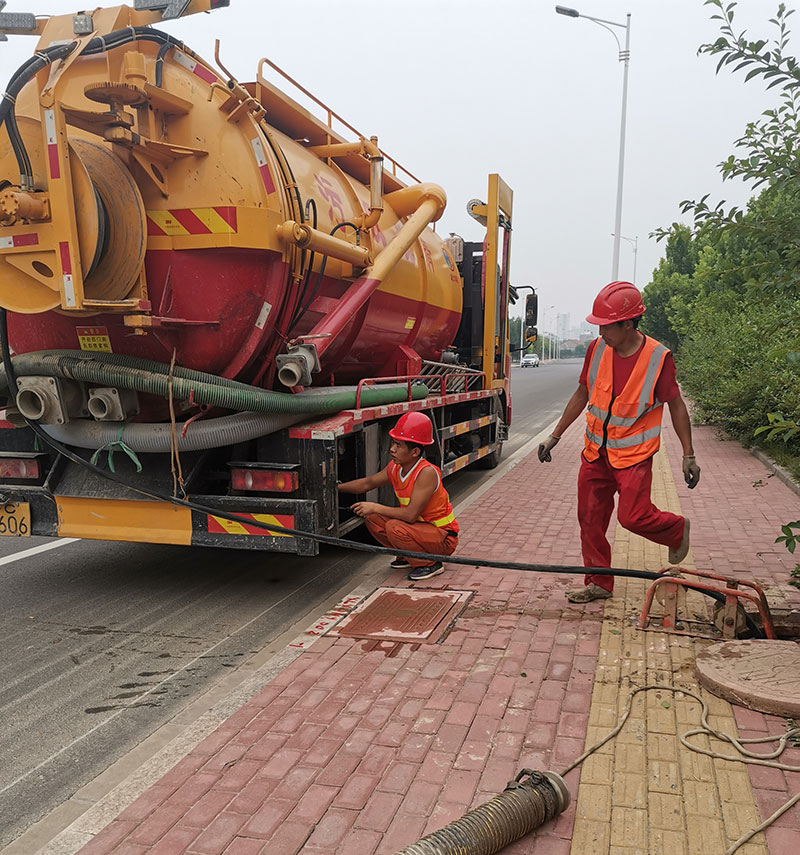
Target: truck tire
491	461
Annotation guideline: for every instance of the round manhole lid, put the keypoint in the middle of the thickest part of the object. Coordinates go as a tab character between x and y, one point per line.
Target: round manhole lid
761	675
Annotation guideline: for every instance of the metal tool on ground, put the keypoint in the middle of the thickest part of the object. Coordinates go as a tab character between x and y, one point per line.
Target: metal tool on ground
729	616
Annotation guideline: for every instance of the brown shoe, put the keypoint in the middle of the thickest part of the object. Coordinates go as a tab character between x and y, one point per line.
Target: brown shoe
677	554
587	594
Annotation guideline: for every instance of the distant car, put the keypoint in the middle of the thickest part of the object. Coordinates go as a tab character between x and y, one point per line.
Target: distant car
530	360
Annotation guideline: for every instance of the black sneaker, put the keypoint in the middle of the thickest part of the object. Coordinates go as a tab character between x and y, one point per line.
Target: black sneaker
425	572
399	564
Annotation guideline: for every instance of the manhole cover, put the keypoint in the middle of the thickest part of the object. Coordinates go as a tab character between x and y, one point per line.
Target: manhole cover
762	675
403	614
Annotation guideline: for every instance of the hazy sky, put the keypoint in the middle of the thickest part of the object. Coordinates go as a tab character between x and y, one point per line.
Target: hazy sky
455	89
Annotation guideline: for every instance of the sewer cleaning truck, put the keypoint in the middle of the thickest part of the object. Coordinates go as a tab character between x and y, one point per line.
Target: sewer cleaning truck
216	298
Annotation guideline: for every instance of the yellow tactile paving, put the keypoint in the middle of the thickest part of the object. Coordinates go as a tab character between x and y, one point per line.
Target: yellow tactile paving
644	793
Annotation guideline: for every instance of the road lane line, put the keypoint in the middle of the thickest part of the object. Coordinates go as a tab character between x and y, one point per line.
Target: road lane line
37	550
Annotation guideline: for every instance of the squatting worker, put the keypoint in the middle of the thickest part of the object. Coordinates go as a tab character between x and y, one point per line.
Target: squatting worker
627	377
424	522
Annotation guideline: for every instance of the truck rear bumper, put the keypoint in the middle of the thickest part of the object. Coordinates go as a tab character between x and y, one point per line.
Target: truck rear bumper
146	521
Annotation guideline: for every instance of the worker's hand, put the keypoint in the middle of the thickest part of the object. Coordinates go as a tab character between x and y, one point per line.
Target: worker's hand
546	447
364	508
691	471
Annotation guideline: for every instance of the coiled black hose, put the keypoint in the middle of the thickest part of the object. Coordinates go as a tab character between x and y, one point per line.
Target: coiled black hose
40	60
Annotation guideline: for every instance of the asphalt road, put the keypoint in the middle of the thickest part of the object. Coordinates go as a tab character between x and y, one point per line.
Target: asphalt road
103	642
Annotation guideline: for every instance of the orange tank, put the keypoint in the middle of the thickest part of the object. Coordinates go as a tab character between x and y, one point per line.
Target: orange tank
169	209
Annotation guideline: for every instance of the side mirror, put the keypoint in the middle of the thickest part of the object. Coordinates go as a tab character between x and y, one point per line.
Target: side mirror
531	334
532	310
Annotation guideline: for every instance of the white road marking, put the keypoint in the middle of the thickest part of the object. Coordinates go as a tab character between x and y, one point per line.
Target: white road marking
36	550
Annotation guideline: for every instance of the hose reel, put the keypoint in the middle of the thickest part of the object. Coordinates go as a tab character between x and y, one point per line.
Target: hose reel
110	223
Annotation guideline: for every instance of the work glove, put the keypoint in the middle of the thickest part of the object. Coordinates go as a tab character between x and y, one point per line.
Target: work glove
546	447
691	471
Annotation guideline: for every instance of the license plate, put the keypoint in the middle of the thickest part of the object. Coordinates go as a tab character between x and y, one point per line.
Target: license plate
15	519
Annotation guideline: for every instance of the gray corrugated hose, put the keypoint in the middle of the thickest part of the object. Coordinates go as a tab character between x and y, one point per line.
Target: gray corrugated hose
156	438
145	438
529	801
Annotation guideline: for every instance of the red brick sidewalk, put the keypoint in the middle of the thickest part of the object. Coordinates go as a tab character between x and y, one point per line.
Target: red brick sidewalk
362	750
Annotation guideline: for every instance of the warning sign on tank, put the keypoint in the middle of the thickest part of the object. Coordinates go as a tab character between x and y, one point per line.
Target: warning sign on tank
94	338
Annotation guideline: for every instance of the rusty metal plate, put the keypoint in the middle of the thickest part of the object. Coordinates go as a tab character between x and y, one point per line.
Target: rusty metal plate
403	614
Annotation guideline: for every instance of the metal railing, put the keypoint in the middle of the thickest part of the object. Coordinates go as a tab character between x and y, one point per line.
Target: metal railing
454	381
331	114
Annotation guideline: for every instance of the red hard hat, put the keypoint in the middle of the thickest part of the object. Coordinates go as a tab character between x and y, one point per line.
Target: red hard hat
413	427
618	301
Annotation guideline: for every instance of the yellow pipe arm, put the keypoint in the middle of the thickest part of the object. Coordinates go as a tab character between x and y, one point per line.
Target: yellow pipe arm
367	148
312	239
429	209
407	200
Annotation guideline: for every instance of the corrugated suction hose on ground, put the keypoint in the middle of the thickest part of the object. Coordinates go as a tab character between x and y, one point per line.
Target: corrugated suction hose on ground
529	801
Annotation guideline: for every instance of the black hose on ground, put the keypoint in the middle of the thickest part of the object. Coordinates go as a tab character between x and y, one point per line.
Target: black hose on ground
69	454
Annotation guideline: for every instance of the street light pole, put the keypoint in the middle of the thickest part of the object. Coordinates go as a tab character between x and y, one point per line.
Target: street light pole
634	242
624	57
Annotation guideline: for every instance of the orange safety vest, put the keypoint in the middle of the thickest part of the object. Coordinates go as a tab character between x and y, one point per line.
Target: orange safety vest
438	511
629	425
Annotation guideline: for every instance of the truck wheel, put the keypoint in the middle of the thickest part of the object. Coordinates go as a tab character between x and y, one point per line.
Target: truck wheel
491	461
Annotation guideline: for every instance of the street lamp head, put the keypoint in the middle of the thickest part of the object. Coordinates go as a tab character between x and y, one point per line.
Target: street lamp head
565	10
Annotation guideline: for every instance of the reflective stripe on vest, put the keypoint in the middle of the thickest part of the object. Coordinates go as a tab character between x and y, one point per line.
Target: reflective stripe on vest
438	511
632	428
628	441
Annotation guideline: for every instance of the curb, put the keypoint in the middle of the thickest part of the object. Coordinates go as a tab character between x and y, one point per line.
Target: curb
781	472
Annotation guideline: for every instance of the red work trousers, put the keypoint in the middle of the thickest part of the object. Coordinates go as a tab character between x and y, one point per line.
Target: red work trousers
414	537
597	484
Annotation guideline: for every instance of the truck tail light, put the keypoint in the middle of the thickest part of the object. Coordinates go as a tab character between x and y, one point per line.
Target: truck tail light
264	480
19	468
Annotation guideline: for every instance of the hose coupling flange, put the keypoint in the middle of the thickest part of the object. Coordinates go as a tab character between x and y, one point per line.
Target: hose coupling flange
296	367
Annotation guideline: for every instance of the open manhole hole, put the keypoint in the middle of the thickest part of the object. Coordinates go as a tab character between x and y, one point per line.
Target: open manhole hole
404	614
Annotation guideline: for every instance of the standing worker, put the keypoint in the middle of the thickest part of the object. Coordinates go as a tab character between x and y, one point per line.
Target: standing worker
627	377
424	522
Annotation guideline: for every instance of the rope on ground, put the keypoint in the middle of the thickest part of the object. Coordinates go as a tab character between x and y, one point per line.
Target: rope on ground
744	756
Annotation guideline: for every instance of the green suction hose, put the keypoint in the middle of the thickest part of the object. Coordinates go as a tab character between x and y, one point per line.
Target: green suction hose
121	359
127	372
